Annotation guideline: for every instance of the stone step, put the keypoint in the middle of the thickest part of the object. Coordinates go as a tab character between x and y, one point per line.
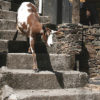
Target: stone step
40	47
95	80
15	46
9	35
58	94
27	79
11	15
45	61
7	24
11	24
7	15
7	0
5	5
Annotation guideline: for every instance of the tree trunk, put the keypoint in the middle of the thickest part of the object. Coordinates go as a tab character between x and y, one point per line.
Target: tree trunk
76	12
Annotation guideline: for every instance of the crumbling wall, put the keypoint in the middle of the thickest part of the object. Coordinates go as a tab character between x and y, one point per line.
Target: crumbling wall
84	42
71	38
92	43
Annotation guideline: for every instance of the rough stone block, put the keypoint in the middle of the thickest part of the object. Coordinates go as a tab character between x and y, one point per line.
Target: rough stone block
61	94
7	15
9	35
4	5
44	61
11	24
9	46
27	79
40	47
7	24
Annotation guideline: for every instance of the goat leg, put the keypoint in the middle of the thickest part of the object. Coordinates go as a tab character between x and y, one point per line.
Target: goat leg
32	48
35	67
29	50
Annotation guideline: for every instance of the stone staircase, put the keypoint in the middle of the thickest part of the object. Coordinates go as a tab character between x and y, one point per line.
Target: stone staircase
56	81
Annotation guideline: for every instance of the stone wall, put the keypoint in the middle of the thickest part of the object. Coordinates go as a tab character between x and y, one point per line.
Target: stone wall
92	43
71	37
70	41
84	42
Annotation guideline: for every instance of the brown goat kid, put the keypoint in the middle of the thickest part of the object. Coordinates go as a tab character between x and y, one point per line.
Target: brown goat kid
28	23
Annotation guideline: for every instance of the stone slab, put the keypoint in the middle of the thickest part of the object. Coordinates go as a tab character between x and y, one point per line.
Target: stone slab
5	5
7	15
6	24
9	35
58	94
40	47
27	79
45	61
9	46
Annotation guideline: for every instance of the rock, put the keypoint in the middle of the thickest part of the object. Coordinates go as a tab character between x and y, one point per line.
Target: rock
6	92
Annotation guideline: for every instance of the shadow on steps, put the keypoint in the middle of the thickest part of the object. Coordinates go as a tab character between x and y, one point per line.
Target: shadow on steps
46	63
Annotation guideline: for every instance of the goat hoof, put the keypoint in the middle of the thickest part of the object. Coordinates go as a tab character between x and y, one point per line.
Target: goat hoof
36	70
29	52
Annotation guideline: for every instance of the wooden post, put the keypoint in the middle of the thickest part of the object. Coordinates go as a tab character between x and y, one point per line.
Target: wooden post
76	12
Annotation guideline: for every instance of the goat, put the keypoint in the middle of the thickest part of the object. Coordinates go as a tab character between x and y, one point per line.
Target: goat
28	23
